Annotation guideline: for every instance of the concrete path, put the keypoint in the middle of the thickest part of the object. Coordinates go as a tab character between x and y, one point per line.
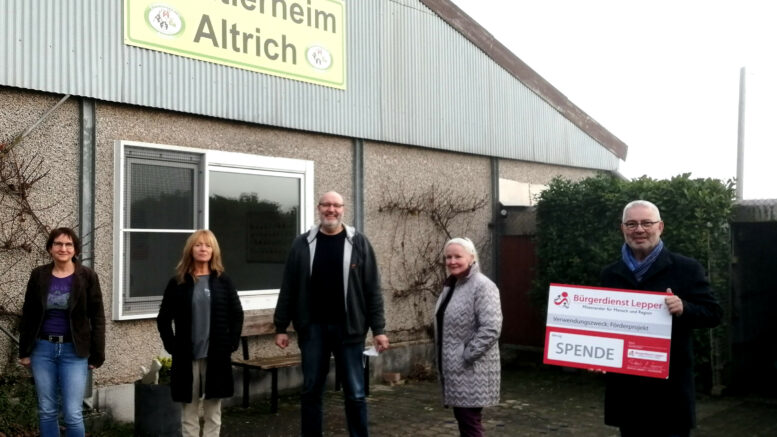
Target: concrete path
537	400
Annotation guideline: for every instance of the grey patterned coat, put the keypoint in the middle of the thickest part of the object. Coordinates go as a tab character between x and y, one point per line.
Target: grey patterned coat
470	371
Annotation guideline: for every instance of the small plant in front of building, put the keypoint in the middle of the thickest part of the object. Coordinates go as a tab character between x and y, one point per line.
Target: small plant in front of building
18	404
164	371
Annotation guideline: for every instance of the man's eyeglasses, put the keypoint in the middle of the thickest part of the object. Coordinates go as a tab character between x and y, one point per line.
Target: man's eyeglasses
646	225
328	204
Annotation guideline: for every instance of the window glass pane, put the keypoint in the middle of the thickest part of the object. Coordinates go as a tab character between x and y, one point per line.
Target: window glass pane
161	196
255	218
152	258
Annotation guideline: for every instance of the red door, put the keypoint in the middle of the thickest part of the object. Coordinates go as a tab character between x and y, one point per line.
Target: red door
522	324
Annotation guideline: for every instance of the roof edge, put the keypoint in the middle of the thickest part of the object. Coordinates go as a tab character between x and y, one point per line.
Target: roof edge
481	38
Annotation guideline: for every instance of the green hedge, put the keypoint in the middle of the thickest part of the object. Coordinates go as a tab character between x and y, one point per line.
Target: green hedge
578	232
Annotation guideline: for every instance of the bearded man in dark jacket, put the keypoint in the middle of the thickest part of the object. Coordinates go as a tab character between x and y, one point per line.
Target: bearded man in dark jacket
331	293
642	406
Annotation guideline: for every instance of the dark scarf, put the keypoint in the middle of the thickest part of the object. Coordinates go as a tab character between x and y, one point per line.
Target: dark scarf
640	268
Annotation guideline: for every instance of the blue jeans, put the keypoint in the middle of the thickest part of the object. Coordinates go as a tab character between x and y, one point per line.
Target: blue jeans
317	344
58	371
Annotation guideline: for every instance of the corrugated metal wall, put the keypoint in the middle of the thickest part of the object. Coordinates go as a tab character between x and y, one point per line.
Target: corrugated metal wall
411	79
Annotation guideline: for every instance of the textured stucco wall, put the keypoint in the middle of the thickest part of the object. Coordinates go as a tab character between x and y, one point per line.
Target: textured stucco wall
394	170
522	221
536	173
54	198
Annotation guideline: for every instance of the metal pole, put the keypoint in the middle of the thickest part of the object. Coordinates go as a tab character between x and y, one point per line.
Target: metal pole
741	137
5	148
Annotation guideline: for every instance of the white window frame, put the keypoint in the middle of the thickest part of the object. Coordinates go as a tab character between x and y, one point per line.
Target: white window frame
212	160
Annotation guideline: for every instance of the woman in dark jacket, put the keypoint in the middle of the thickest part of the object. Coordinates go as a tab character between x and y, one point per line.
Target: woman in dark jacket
203	304
62	333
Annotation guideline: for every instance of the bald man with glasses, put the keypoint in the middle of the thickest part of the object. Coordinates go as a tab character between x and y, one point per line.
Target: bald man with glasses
331	293
642	406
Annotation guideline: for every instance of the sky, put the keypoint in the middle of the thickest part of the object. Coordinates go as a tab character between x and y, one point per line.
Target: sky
663	76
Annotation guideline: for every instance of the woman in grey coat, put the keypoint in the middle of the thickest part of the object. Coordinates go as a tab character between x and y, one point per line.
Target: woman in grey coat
467	326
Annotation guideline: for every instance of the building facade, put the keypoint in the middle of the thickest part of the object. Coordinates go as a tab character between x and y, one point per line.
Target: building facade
240	117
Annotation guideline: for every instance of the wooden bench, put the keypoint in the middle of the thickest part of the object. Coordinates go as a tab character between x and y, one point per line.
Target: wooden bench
272	365
260	323
256	324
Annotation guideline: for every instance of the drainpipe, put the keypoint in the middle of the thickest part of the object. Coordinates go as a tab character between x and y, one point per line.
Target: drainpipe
358	184
496	220
86	202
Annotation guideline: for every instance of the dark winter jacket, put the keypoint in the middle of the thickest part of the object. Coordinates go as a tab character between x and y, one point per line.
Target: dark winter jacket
363	298
226	323
87	317
669	404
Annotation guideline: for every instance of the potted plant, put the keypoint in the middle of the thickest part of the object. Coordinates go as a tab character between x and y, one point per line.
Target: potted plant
155	412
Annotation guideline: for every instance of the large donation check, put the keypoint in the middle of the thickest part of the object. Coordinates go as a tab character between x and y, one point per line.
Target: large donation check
623	331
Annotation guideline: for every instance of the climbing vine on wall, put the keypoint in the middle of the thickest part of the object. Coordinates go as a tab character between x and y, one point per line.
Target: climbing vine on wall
419	223
22	230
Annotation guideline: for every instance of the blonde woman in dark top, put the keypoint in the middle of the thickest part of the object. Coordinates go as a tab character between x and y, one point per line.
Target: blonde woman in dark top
200	321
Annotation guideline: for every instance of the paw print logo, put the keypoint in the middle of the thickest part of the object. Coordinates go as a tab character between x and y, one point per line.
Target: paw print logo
165	20
319	57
